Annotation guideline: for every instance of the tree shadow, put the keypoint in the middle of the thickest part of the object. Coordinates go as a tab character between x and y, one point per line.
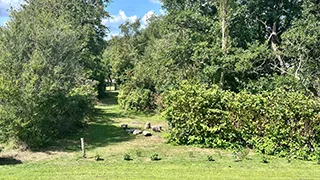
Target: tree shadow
110	99
102	131
9	161
99	132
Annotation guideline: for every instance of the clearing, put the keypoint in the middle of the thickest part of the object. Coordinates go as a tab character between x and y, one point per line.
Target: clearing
106	139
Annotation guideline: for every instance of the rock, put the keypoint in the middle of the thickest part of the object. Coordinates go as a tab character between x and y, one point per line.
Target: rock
137	131
130	130
156	128
124	126
148	125
146	133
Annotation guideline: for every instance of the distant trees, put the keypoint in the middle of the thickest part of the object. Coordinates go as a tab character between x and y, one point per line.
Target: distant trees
250	73
50	61
238	45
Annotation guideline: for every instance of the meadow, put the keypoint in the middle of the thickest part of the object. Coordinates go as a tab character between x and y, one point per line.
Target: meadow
107	141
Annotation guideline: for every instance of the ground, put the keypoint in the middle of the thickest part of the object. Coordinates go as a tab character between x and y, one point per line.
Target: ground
106	139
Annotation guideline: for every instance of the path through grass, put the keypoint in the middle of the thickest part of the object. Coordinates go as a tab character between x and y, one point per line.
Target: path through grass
106	139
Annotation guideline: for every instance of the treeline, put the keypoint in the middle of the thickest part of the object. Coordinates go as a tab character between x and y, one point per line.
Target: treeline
253	49
51	68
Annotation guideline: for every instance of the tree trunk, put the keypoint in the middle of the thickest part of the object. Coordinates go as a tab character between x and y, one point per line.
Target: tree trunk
224	5
223	14
274	47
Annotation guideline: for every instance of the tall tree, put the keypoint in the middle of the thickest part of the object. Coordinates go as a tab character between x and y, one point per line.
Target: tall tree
85	17
274	18
299	46
44	87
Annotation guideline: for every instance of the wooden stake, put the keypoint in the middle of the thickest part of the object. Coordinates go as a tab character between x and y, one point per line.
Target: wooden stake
82	147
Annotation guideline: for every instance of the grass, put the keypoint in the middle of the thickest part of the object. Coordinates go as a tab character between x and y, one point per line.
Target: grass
106	139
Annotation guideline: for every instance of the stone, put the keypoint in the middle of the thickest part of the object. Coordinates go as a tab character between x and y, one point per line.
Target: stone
130	130
124	126
146	133
148	125
137	131
156	128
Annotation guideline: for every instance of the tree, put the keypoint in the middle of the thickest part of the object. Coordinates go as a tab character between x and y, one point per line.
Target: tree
44	87
299	42
273	18
85	17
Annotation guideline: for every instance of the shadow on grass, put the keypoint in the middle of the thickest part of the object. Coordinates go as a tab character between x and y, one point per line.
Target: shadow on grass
99	132
9	161
110	99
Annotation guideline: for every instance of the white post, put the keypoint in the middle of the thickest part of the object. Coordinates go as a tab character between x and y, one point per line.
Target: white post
82	147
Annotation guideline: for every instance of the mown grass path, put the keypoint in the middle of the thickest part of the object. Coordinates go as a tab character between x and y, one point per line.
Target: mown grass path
104	137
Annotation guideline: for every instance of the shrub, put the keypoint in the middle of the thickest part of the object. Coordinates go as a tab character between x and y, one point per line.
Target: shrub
275	123
199	116
138	153
46	95
136	99
265	159
240	155
127	157
98	158
210	158
155	157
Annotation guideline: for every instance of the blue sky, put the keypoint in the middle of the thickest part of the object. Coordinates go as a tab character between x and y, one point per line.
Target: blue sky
123	10
120	11
4	6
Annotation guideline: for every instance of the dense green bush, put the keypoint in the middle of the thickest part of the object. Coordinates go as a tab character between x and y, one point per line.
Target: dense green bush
275	123
44	90
136	99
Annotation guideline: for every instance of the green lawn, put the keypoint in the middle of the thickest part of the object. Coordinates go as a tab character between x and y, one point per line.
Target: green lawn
105	138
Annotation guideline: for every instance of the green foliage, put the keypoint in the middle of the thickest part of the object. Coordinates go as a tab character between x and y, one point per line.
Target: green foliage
318	157
138	153
155	157
240	154
136	99
127	157
274	123
265	159
199	116
44	88
210	158
98	158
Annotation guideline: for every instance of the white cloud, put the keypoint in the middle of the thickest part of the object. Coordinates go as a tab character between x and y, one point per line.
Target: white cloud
163	12
155	1
146	17
5	5
9	3
116	20
119	18
111	35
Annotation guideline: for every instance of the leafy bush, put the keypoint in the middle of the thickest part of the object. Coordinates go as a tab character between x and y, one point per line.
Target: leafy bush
127	157
44	91
240	155
265	159
138	153
199	116
275	123
136	99
98	158
155	157
210	158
